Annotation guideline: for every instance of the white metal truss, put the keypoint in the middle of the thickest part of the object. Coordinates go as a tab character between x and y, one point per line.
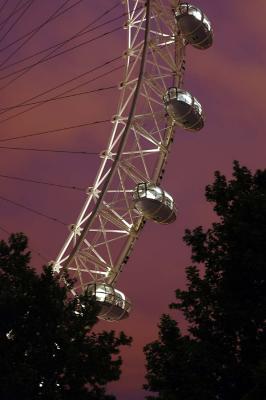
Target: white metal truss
108	226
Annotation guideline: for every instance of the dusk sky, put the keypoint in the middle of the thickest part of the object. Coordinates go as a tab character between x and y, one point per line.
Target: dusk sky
228	79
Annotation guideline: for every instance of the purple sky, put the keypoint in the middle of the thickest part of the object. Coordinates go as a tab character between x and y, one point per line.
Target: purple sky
229	80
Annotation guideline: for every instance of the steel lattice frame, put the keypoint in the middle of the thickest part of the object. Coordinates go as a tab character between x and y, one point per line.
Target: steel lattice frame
108	226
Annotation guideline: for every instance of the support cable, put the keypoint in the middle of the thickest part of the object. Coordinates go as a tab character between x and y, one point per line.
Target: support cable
78	34
85	153
56	130
28	33
32	210
60	86
3	5
4	230
4	110
14	11
19	18
36	30
53	56
17	178
44	258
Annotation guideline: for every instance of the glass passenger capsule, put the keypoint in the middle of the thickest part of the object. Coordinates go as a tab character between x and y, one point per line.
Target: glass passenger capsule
113	304
194	26
185	109
154	203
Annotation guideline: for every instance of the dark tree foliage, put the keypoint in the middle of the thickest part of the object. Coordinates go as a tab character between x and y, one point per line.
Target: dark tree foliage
224	355
47	347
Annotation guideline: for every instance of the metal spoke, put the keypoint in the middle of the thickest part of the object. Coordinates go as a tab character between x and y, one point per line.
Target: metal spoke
141	135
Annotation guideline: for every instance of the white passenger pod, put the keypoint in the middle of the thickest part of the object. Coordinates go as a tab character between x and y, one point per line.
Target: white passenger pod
154	203
113	304
194	26
185	109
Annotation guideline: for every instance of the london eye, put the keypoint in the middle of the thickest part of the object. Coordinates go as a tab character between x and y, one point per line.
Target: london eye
128	188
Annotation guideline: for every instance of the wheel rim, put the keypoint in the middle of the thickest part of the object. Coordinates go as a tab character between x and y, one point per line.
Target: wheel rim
108	226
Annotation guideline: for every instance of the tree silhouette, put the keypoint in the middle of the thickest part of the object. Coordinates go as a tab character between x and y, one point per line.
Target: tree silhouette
47	347
223	356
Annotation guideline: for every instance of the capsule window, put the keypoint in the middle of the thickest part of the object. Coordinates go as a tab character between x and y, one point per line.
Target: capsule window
167	195
172	93
151	194
207	23
183	9
141	190
119	299
197	106
185	97
158	192
102	293
196	13
168	203
168	200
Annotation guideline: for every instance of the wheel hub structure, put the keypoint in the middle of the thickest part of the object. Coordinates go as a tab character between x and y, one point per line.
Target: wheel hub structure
101	240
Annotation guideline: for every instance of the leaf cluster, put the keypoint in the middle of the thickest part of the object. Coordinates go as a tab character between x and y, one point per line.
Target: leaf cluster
48	349
223	356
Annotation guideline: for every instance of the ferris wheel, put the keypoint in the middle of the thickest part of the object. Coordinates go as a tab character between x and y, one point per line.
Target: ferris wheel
127	188
152	102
